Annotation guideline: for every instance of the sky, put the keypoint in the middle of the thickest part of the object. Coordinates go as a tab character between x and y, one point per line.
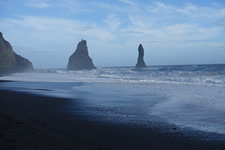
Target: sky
172	32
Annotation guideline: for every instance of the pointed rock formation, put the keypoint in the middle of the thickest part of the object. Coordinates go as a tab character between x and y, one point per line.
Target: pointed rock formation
140	61
10	62
80	59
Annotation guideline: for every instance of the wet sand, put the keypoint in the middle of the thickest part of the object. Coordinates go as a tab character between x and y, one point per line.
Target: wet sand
29	121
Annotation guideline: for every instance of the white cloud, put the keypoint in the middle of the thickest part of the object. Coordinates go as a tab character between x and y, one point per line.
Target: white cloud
37	5
222	12
159	7
52	31
187	9
112	22
105	7
128	2
47	25
117	30
74	6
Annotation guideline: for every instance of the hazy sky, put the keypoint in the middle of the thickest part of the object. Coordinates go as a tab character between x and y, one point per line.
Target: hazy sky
172	32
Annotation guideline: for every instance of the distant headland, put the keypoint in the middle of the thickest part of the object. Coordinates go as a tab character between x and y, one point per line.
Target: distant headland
10	62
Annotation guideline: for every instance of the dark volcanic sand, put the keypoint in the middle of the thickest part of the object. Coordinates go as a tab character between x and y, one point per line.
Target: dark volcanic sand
36	122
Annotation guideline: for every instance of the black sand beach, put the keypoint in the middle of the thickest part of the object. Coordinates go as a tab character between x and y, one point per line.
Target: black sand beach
29	121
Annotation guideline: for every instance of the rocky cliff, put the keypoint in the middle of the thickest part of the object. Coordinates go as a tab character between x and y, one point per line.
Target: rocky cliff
10	62
80	59
140	61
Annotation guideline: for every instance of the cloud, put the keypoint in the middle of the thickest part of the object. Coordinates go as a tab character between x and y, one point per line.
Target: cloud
220	22
188	9
116	30
74	6
179	41
127	32
106	7
128	2
112	22
49	30
221	46
37	5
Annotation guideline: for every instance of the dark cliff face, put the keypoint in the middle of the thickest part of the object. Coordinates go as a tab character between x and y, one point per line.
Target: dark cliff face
23	64
140	61
10	62
7	56
80	59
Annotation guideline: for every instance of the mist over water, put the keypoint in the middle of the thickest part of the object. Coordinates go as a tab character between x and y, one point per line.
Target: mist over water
189	96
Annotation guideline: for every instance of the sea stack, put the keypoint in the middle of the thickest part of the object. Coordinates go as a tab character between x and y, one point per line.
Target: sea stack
140	61
80	60
10	62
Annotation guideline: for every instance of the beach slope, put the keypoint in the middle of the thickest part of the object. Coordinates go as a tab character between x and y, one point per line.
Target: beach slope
29	121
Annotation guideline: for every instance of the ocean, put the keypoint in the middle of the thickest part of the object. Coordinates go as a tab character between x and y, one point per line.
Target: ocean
189	96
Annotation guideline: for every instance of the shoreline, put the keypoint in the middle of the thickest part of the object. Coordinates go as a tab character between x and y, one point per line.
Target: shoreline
29	121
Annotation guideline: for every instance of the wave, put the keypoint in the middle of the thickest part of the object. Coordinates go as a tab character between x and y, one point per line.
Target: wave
187	74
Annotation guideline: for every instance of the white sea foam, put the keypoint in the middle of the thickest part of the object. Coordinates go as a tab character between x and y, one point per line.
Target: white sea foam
200	107
195	95
170	75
